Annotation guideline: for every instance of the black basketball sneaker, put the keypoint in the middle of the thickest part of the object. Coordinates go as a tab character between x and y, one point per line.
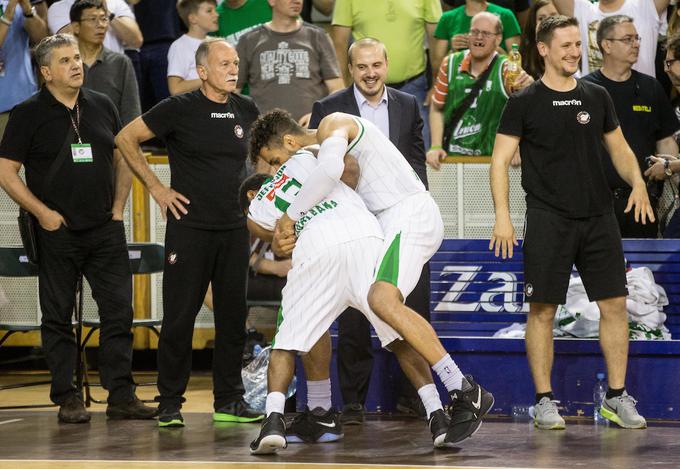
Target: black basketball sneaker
315	426
466	411
272	435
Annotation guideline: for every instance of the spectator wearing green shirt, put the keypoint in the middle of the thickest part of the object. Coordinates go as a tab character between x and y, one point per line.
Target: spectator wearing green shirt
454	25
237	17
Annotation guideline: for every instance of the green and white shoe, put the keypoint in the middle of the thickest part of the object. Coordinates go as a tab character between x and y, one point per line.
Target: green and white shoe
239	412
170	418
622	411
546	415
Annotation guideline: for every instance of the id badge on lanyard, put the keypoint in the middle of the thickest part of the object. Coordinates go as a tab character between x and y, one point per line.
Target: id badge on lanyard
80	152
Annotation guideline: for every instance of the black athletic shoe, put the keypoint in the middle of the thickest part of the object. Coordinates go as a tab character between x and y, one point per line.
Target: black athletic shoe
272	435
352	414
315	426
131	410
170	417
439	426
466	411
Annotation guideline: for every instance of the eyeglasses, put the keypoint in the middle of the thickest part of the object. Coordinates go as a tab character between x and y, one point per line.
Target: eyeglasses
484	34
669	63
96	19
628	40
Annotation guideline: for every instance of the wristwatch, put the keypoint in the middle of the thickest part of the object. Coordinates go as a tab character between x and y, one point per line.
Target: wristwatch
30	14
667	168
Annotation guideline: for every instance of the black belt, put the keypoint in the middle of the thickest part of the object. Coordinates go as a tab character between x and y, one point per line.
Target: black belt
401	84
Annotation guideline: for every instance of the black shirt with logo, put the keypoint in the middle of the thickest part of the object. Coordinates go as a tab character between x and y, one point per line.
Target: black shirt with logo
561	146
645	113
81	192
207	149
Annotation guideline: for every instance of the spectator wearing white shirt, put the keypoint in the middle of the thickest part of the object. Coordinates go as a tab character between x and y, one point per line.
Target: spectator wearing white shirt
645	14
124	32
201	17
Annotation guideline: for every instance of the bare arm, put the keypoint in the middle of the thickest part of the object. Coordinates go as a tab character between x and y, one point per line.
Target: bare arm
340	37
509	42
15	187
661	6
9	16
123	182
334	84
627	166
436	153
564	7
325	7
431	40
128	141
35	26
127	30
665	146
503	238
438	49
178	85
270	266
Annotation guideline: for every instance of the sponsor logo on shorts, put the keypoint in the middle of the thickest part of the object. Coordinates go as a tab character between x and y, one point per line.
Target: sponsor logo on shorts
529	289
238	130
583	117
172	258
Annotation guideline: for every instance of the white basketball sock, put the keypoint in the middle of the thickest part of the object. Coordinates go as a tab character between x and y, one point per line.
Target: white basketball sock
319	394
276	402
449	373
430	397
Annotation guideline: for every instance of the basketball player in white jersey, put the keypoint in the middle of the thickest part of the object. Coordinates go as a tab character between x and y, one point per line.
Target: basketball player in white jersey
411	224
338	246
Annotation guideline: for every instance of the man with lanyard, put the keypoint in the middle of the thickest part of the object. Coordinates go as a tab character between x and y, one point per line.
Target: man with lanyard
206	133
559	124
76	189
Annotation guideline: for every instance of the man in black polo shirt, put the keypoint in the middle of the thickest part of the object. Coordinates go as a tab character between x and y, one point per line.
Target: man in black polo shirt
206	133
79	207
647	119
558	123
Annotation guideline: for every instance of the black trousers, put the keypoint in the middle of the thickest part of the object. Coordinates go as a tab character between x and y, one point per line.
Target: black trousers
355	355
101	255
193	259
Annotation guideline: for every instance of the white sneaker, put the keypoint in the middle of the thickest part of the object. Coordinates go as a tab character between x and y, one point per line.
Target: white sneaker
546	415
622	411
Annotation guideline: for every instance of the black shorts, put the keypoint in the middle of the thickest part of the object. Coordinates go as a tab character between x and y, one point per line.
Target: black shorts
553	244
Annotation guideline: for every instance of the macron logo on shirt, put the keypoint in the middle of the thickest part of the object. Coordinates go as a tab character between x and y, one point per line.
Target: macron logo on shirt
221	115
567	102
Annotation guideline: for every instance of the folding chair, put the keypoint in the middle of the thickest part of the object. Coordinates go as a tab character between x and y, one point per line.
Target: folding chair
13	318
145	258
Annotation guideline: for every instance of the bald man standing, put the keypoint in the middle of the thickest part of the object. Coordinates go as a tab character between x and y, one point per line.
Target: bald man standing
206	133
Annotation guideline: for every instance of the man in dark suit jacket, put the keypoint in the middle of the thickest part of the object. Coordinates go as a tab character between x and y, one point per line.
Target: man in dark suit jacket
397	115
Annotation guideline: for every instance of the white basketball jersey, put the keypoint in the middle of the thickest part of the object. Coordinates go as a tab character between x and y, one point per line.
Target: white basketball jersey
386	177
341	217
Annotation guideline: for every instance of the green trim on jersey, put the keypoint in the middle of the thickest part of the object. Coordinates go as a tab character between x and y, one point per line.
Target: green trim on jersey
389	267
279	320
361	134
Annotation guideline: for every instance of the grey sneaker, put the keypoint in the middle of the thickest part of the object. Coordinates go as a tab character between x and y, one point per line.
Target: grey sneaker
546	415
621	410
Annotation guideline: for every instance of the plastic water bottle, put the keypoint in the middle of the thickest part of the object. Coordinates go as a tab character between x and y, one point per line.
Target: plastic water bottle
513	67
256	350
599	393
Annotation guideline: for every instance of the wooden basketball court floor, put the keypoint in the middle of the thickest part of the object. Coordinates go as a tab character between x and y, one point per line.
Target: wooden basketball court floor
34	439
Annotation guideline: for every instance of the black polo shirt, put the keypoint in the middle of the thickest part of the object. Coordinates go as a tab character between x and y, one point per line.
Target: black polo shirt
645	113
81	192
207	148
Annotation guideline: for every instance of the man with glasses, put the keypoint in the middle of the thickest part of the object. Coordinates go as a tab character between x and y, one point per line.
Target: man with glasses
106	71
645	114
475	129
645	14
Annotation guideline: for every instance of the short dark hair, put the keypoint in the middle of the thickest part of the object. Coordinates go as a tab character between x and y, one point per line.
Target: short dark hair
607	24
187	7
673	45
76	12
550	24
251	183
269	129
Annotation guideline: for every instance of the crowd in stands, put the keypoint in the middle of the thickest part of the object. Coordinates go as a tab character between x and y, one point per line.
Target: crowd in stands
140	52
